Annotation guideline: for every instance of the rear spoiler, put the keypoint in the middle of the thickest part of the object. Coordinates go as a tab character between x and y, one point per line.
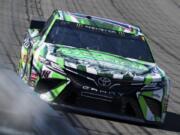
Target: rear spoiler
37	24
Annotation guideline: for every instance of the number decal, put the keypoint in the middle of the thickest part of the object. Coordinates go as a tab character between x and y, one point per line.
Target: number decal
45	74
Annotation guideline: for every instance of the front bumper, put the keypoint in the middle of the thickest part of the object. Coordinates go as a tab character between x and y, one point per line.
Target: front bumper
136	105
104	115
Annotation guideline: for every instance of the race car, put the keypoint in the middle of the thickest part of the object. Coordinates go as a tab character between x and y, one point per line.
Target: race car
94	65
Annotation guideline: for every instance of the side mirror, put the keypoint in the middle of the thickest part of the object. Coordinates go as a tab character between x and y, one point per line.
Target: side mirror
36	24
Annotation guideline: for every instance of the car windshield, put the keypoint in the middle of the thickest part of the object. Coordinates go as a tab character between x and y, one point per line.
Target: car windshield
89	37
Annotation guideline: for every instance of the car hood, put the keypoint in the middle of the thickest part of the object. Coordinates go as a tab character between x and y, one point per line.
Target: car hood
97	62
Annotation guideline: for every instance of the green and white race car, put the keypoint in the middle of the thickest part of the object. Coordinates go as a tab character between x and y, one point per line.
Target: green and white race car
94	65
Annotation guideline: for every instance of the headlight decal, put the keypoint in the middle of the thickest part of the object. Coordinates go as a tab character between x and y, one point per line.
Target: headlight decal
148	79
154	86
57	75
52	94
158	94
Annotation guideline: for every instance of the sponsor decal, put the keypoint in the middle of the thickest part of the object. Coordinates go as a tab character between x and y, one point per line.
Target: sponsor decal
104	82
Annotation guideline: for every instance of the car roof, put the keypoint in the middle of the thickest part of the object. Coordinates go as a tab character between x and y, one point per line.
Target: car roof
98	22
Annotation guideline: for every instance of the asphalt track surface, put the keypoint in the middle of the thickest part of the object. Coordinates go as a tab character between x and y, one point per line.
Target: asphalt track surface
160	21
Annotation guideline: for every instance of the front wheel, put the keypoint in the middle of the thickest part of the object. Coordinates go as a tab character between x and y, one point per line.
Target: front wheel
20	70
23	70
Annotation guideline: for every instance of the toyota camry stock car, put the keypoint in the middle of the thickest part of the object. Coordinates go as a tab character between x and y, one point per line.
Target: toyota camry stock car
94	65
